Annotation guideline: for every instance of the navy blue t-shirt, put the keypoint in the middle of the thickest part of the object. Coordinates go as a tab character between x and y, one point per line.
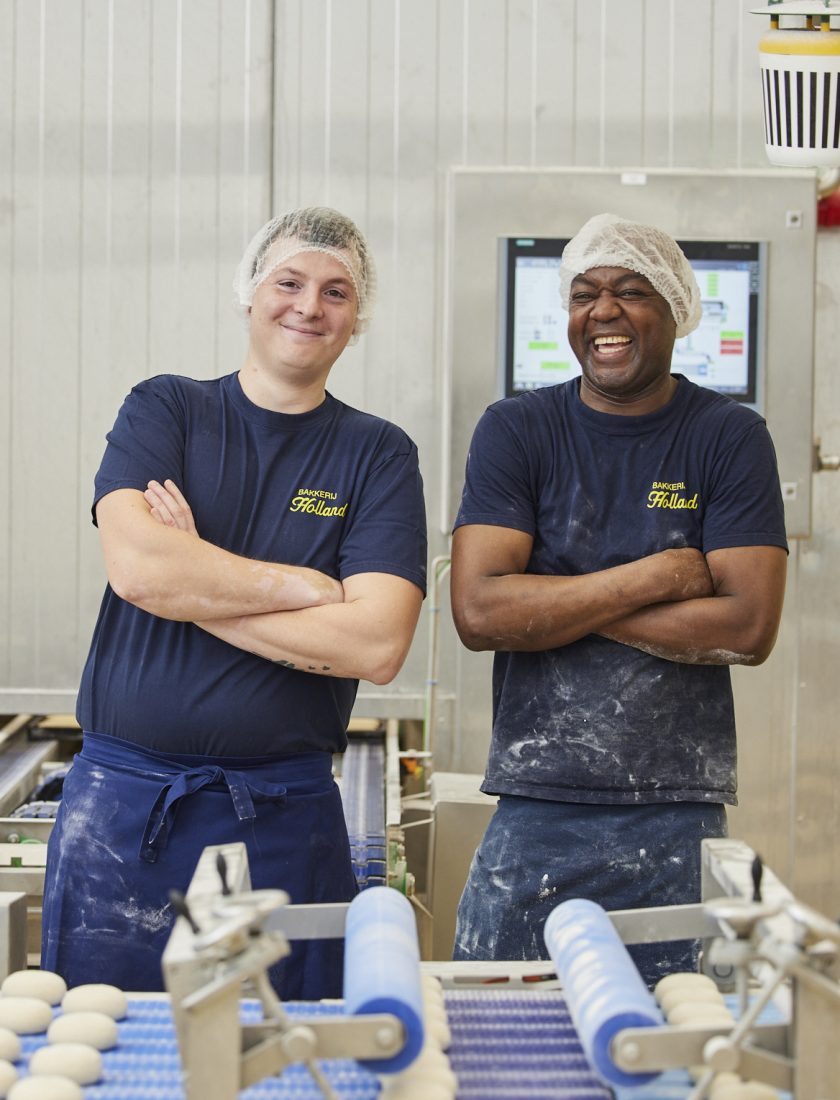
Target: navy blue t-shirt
598	721
334	489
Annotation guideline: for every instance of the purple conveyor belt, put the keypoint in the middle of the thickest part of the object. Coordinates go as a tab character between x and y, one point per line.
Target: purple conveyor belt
517	1044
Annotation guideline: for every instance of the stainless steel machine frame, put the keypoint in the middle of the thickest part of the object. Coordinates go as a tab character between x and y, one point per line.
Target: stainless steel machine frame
228	942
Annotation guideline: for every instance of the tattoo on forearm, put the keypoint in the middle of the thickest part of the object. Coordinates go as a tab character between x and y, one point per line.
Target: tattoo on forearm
289	664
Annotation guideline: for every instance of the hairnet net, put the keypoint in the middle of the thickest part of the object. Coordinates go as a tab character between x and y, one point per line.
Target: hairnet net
311	229
610	241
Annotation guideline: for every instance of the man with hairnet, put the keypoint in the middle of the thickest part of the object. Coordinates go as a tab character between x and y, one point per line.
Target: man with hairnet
265	549
620	544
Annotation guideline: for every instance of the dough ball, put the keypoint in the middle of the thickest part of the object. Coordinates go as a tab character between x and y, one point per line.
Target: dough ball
96	998
419	1090
92	1028
743	1090
25	1015
673	997
9	1045
41	984
689	1012
8	1076
432	1066
431	990
687	981
439	1033
77	1061
46	1088
431	983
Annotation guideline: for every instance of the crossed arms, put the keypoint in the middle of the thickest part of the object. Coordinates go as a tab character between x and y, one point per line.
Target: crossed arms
301	618
721	608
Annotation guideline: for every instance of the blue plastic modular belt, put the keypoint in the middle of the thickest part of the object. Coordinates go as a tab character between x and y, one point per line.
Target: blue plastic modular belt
145	1065
362	787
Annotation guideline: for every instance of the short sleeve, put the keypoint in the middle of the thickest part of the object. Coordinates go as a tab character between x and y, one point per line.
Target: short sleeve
387	529
745	507
497	482
145	443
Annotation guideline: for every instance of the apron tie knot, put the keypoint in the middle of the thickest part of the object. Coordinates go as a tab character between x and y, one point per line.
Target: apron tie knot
242	792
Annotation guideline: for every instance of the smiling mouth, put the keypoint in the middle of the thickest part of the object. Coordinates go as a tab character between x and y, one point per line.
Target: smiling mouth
611	345
302	331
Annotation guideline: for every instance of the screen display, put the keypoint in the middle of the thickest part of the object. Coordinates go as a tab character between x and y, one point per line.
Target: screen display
722	353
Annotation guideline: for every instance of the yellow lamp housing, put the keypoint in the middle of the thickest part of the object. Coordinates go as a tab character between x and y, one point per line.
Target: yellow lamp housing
800	77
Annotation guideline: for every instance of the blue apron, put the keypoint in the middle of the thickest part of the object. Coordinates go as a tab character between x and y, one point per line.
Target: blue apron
131	827
537	853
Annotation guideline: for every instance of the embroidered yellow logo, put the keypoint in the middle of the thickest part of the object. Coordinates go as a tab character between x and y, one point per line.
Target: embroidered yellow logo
670	494
314	501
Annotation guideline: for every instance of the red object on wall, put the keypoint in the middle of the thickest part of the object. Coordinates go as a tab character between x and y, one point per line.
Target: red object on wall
828	210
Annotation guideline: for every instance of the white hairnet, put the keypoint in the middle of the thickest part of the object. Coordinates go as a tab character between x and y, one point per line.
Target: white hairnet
610	241
311	229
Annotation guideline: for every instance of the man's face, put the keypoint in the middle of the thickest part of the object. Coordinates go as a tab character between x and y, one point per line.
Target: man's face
622	332
302	316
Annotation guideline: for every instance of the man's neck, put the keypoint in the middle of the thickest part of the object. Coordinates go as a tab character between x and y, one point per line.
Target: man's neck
639	405
268	391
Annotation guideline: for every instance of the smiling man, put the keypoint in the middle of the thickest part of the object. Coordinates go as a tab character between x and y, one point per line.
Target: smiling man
619	544
265	549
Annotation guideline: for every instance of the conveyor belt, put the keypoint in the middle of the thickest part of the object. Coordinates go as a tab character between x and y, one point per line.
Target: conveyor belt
506	1045
517	1044
362	785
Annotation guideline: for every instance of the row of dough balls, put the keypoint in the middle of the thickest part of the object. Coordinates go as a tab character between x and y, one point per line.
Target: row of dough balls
430	1076
693	1000
86	1027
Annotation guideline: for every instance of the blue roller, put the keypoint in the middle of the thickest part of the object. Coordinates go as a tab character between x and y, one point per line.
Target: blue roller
603	988
382	968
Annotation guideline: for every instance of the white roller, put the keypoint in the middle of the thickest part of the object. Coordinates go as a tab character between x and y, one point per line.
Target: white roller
604	990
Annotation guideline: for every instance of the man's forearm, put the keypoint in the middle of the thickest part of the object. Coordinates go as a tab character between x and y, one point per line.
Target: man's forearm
697	632
177	575
526	612
207	582
359	639
738	625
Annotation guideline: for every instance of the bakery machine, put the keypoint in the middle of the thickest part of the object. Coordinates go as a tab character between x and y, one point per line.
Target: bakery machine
577	1027
601	1032
34	754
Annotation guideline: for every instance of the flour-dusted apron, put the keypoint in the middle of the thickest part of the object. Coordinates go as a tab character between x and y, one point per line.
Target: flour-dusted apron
131	827
537	853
